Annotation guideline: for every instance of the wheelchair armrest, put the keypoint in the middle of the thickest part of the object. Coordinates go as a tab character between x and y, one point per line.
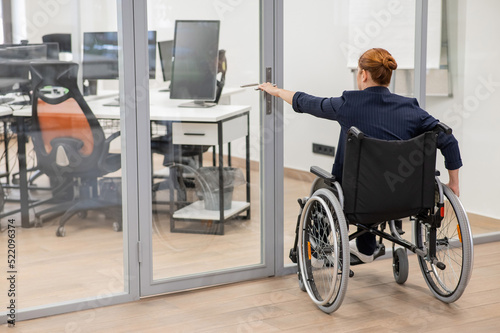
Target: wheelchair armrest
354	131
442	127
322	173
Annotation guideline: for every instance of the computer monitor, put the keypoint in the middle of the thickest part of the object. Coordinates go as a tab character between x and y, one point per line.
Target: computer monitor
14	66
195	58
165	49
52	48
100	55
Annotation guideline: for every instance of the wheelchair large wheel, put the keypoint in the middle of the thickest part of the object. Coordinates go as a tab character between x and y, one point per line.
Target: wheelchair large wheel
453	248
323	248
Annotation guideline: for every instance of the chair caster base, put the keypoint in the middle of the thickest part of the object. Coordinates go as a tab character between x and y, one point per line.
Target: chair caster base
60	232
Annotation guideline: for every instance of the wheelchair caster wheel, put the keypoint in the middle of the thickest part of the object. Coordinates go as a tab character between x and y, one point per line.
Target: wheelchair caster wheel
60	232
82	214
117	226
400	265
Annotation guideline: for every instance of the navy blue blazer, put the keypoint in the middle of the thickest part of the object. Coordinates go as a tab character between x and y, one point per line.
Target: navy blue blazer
380	114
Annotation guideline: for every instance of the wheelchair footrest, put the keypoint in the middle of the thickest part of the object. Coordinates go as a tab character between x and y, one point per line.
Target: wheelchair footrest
379	251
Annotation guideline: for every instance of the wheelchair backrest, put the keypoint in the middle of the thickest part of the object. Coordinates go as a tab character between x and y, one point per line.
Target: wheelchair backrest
385	180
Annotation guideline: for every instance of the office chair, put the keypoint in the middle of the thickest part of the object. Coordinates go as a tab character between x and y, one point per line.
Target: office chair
69	143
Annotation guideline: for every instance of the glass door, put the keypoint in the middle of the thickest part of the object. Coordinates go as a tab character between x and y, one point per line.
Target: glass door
65	228
204	219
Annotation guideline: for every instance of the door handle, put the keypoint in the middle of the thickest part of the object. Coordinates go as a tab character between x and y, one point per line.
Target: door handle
269	97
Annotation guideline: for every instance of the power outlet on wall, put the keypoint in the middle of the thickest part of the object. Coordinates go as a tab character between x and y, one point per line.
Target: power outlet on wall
323	149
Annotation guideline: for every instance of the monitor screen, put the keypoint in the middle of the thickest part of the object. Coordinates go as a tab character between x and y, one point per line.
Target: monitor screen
165	49
15	64
100	55
194	67
52	49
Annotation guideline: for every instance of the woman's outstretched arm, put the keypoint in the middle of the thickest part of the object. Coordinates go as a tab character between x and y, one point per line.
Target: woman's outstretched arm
285	95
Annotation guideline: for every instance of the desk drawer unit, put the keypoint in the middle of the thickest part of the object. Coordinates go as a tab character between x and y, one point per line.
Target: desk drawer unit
206	133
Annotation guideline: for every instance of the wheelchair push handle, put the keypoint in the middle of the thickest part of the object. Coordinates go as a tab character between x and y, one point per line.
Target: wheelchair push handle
354	131
442	127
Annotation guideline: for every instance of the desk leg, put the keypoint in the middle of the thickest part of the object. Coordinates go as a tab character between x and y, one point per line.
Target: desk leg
220	227
172	175
23	180
213	156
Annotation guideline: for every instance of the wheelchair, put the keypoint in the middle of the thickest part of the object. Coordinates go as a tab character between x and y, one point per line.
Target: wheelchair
383	182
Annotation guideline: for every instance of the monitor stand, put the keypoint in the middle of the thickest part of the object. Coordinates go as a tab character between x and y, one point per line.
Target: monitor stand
165	89
197	104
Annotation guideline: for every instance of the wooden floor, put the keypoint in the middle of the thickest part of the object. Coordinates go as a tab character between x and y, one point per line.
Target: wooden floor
374	303
89	260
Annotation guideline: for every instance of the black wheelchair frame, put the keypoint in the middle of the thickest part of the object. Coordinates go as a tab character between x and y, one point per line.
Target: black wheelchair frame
321	245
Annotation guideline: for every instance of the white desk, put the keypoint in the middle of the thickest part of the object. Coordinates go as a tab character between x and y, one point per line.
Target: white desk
214	126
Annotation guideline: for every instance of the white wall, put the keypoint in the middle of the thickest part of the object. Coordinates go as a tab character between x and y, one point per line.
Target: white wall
314	63
481	116
319	43
314	37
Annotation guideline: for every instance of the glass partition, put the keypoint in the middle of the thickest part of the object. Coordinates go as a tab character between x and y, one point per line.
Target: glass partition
470	108
207	215
62	152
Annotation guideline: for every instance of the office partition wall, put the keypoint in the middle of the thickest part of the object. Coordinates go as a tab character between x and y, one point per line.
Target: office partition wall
76	211
186	213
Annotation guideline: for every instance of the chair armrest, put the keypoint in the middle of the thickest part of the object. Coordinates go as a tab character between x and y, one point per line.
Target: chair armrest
316	170
107	142
102	162
112	137
442	127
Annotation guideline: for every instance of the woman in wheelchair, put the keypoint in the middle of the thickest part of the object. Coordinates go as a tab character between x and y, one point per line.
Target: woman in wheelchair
385	161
